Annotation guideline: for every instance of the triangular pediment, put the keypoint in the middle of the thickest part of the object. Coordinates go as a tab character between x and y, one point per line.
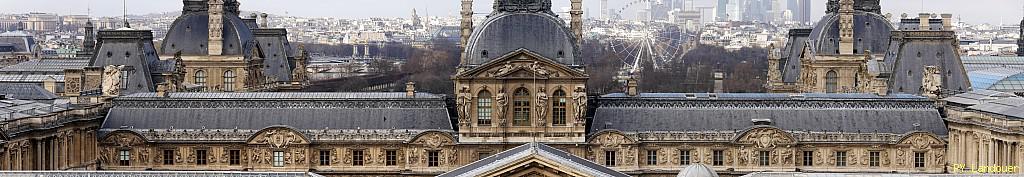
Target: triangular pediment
522	63
533	159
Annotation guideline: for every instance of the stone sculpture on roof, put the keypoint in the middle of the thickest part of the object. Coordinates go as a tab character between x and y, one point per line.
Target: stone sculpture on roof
112	80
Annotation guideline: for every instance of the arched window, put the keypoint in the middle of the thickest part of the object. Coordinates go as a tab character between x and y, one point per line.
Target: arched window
229	81
831	82
483	108
200	78
558	108
521	107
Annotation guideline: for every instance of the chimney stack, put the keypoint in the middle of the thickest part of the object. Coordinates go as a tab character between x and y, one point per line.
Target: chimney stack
631	87
263	20
924	17
719	85
410	89
366	50
947	22
215	45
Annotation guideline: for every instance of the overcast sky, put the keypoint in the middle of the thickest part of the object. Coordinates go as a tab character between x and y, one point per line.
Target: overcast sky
972	11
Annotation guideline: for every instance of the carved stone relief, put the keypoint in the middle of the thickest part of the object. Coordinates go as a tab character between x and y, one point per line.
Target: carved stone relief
766	138
112	80
279	138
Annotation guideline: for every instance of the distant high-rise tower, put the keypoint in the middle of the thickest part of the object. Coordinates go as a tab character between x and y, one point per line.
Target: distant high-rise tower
605	12
721	11
804	13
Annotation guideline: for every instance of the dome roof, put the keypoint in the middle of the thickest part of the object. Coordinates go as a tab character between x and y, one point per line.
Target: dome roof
870	31
506	31
190	35
697	170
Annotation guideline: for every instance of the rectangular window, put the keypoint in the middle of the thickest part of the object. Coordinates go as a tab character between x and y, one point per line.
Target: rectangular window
357	157
125	157
200	157
763	158
521	108
840	158
278	158
168	157
652	157
918	159
684	157
717	158
229	81
391	157
125	75
483	110
235	157
325	157
609	158
433	158
873	158
558	110
808	158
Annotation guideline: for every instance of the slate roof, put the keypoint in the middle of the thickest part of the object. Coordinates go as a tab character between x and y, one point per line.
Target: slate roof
279	59
46	65
130	48
991	102
506	31
977	97
30	78
819	112
301	111
189	33
16	109
870	29
789	65
25	91
910	52
20	40
507	157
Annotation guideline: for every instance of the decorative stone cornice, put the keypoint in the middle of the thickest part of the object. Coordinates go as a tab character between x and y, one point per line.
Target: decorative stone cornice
763	104
379	103
241	136
800	136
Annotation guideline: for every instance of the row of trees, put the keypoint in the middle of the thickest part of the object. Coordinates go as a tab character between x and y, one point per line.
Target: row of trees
431	68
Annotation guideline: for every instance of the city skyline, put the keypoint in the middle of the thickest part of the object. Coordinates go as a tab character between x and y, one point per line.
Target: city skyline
984	11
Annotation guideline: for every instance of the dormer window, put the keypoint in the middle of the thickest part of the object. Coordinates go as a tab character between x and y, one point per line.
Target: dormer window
561	54
483	54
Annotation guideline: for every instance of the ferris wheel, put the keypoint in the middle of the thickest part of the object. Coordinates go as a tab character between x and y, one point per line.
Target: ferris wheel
655	42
